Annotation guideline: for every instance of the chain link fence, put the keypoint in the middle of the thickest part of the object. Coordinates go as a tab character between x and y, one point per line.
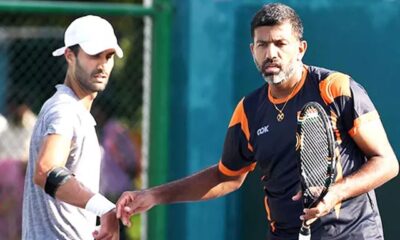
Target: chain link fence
28	75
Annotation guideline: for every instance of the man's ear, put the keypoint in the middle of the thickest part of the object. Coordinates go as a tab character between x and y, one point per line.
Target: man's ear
252	48
302	50
69	56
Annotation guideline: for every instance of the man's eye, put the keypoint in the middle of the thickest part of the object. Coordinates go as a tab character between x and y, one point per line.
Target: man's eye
281	44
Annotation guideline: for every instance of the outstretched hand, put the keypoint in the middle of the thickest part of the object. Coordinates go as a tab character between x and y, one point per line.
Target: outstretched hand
134	202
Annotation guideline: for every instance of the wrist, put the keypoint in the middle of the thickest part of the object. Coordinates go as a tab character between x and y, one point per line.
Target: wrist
157	197
99	205
337	191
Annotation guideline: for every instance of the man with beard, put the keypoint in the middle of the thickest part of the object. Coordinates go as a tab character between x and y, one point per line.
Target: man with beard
262	132
61	199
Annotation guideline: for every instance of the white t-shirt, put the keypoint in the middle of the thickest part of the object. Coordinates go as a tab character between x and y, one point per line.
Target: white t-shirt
43	216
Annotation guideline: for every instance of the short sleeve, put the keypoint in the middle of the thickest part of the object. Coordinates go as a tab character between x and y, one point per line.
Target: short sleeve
61	120
237	157
348	100
363	110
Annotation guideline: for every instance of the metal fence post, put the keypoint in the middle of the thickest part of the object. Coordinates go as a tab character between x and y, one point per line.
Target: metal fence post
159	113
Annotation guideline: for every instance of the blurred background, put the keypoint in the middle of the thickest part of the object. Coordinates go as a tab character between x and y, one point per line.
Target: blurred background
169	101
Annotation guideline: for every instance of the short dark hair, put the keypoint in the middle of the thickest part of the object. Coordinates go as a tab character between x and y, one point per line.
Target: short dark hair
275	14
75	49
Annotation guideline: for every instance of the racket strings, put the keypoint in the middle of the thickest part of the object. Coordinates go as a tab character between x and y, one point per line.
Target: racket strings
316	157
314	148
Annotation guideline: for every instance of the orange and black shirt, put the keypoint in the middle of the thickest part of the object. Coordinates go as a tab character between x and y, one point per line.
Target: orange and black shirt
256	138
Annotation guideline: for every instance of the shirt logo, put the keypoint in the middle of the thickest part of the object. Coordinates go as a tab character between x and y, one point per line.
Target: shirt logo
262	130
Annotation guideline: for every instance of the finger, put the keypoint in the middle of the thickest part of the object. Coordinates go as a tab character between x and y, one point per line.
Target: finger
307	215
297	196
309	222
320	210
96	231
99	235
311	213
126	220
118	210
128	210
125	199
308	218
102	236
120	205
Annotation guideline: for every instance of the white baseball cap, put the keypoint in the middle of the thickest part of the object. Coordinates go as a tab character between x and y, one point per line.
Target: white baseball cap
93	34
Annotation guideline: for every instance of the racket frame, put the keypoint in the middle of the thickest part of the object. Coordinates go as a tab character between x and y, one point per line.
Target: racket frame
332	158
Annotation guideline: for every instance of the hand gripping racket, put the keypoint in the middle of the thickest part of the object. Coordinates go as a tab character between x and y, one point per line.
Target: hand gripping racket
317	157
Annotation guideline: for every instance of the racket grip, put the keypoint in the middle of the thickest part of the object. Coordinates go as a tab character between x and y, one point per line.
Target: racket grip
305	232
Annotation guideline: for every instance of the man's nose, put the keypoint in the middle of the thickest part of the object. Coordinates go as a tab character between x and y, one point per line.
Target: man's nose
271	52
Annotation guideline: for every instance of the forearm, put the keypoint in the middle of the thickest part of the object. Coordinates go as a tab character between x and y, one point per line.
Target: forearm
207	184
59	182
374	173
380	167
74	193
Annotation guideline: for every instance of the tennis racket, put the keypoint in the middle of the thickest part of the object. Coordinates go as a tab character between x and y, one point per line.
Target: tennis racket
317	157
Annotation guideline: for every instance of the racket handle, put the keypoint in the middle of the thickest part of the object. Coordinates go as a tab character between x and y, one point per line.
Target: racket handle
305	232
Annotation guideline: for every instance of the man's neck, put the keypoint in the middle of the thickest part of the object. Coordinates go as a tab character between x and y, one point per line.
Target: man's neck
84	97
284	89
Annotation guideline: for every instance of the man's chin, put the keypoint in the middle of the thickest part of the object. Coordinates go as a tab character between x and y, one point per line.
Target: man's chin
275	80
99	90
96	89
99	87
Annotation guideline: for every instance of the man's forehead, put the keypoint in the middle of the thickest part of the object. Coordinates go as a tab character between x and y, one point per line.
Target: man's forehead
283	30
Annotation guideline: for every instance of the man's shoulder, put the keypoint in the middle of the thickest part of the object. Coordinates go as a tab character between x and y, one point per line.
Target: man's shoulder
319	73
56	108
251	102
332	84
322	74
257	93
60	102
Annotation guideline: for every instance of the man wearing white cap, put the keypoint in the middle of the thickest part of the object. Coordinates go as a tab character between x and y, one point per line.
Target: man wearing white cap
61	199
